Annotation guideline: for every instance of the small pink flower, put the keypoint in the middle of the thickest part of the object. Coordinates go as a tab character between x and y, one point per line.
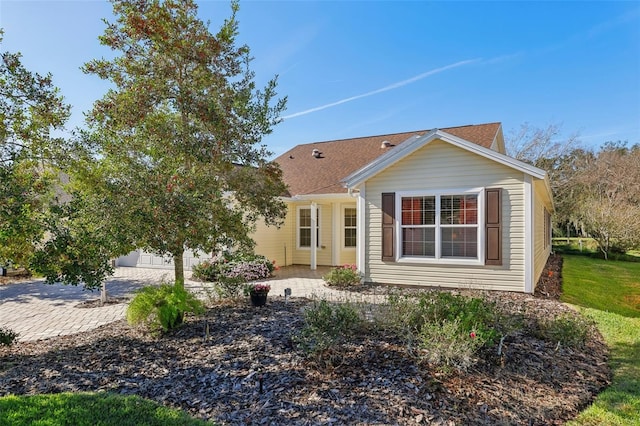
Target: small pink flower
472	335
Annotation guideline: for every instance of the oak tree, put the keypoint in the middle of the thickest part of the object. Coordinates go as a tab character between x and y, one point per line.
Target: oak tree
176	143
30	108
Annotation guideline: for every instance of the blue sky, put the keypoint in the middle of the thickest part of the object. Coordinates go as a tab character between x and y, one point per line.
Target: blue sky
364	68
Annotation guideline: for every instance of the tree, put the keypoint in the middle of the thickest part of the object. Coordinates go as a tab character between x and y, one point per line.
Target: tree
558	156
540	146
30	107
82	240
176	143
607	197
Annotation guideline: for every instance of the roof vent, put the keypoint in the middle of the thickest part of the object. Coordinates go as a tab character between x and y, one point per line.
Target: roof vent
316	153
385	144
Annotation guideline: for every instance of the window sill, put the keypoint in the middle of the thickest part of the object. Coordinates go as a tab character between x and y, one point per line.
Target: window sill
445	261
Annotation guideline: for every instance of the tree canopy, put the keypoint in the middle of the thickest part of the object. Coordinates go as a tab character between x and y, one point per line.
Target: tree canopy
30	108
597	191
175	146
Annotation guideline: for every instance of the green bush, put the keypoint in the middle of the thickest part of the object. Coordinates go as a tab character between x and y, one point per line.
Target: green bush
163	307
447	344
207	270
566	329
342	276
326	325
7	336
230	288
472	314
443	328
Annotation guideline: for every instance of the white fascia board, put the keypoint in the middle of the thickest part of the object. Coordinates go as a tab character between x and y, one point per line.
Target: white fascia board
316	197
408	147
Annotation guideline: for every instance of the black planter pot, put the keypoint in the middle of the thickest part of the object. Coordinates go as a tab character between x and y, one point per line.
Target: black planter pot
258	299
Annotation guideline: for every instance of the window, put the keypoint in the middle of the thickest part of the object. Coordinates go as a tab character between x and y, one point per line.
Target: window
350	227
439	226
547	228
304	227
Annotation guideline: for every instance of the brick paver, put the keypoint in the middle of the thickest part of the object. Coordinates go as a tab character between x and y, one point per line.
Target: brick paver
37	310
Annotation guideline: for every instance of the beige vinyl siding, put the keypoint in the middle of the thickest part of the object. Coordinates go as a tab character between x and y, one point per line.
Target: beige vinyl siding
540	252
273	242
439	166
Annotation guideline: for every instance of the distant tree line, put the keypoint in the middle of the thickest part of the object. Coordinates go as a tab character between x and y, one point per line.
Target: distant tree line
596	192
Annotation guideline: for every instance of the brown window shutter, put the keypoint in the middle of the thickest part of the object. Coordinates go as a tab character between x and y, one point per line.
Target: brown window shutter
388	226
493	255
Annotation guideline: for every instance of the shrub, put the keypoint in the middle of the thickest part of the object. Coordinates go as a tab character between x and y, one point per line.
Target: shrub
447	345
207	270
342	276
442	328
472	314
7	336
163	307
566	329
325	326
247	270
249	267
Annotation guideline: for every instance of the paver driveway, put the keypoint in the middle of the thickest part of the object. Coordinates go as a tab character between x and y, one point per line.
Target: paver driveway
37	310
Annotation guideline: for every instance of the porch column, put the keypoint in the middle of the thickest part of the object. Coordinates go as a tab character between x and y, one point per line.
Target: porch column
361	229
314	236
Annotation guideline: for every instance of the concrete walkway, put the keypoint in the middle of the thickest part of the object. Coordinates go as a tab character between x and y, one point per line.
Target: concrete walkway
37	310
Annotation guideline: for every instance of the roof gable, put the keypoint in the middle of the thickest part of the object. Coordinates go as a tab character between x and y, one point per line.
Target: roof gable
415	143
306	174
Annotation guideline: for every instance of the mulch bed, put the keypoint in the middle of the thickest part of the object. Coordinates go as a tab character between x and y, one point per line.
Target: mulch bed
239	365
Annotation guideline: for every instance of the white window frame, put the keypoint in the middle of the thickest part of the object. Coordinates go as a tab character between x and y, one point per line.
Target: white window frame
438	259
298	227
344	227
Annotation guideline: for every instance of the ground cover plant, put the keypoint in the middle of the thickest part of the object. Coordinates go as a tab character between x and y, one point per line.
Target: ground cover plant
608	292
99	409
242	365
7	336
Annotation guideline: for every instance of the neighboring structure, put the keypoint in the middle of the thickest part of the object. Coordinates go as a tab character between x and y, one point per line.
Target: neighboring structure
442	207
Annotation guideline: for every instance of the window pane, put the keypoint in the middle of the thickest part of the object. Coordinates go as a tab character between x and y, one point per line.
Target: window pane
349	237
349	217
305	237
418	242
459	242
470	208
418	210
459	209
305	217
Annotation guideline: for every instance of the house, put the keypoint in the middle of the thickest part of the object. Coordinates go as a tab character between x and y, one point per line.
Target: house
441	207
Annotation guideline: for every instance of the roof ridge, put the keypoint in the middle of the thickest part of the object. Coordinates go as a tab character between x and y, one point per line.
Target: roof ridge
396	133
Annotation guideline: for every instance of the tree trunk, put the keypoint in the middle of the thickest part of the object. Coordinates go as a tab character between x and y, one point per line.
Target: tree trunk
103	293
179	268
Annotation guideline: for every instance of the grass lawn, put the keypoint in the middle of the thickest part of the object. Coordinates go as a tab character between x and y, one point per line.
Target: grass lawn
609	293
606	285
89	409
